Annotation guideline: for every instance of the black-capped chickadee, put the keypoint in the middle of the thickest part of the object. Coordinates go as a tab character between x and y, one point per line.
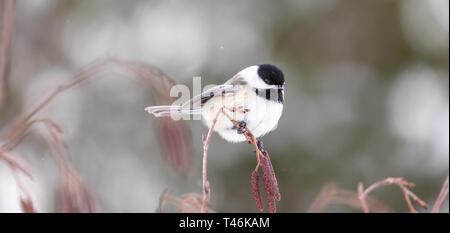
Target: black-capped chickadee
253	97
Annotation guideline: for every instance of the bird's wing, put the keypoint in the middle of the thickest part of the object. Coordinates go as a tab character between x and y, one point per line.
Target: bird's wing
230	87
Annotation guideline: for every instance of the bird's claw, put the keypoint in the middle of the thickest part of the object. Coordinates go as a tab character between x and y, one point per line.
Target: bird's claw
260	145
242	127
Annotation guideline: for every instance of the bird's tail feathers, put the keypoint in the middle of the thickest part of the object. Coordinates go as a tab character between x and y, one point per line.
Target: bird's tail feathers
171	110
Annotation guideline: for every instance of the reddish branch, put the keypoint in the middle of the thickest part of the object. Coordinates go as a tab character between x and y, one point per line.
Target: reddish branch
187	203
401	183
441	198
177	149
178	146
269	178
206	188
15	163
263	160
18	167
21	123
19	126
74	193
6	36
331	194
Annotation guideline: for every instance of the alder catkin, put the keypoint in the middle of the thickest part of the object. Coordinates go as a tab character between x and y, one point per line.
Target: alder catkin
270	183
275	189
255	190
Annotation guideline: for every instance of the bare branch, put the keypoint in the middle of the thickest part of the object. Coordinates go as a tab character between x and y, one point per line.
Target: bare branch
206	188
16	167
263	159
187	203
441	198
401	183
270	182
27	205
75	195
21	123
331	194
15	163
177	149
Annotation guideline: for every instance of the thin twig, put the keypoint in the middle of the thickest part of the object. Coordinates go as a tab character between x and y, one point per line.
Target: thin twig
331	194
15	163
21	123
270	183
26	201
206	188
5	46
441	198
16	167
263	159
249	136
74	193
178	149
401	183
187	203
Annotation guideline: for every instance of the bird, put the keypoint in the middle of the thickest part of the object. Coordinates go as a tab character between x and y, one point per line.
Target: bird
254	98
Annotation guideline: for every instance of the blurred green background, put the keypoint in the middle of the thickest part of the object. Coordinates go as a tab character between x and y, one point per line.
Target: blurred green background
367	96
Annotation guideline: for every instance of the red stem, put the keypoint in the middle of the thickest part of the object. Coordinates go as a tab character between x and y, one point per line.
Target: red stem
205	163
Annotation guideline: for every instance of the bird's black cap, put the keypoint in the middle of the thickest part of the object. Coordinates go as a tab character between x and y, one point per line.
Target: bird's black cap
271	74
